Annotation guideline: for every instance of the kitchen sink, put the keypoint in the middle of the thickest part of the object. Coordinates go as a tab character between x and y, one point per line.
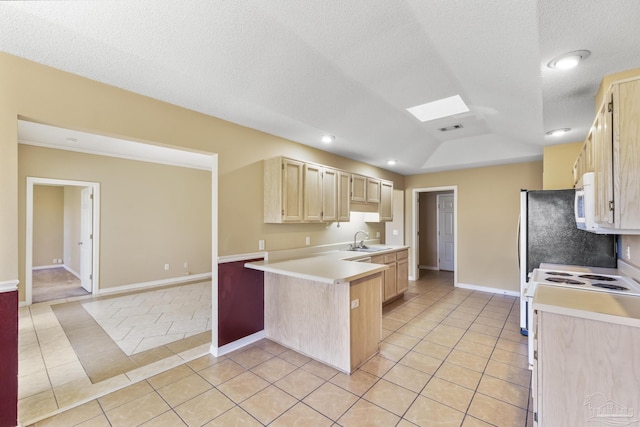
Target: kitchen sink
368	249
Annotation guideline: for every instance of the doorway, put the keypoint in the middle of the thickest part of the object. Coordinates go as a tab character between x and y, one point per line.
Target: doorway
445	231
80	203
434	230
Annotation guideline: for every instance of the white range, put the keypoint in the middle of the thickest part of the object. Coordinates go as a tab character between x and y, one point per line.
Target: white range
585	278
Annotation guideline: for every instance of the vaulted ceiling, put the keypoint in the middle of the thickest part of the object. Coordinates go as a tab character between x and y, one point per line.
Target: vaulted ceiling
302	69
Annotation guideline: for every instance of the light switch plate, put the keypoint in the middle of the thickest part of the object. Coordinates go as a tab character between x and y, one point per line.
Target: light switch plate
261	245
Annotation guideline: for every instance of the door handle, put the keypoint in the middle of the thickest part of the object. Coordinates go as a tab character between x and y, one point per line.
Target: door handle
79	243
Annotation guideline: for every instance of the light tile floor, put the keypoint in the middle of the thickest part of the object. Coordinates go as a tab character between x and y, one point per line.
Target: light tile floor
450	357
65	356
150	319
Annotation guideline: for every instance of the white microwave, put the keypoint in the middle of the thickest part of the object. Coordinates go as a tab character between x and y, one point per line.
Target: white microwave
585	205
585	209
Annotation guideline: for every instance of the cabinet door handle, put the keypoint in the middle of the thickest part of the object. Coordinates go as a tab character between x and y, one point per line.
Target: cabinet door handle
611	205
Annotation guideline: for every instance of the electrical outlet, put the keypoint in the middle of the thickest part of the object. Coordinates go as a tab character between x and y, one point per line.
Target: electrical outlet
628	252
54	261
261	245
186	265
59	261
307	240
377	234
355	303
166	266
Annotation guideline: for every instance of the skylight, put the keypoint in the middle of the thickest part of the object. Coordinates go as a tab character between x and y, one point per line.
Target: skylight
437	109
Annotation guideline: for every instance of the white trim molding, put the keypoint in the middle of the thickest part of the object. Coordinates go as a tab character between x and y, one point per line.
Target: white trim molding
237	344
414	240
241	257
154	283
9	285
46	267
31	182
488	289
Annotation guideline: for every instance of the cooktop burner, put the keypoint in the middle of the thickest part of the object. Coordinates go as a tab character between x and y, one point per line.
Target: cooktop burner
610	286
598	277
588	280
564	280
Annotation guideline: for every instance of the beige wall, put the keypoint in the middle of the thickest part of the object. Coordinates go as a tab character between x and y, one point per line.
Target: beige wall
48	224
558	165
72	228
488	211
35	92
150	214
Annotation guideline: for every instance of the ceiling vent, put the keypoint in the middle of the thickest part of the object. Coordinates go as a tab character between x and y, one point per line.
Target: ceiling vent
450	128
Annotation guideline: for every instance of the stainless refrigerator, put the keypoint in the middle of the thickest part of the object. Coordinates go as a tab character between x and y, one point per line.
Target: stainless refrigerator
548	233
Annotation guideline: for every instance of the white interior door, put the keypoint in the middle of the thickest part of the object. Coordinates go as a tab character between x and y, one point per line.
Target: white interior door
86	236
446	232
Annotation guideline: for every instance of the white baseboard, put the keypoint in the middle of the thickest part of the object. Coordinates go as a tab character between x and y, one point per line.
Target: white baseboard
488	289
45	267
154	283
233	346
427	267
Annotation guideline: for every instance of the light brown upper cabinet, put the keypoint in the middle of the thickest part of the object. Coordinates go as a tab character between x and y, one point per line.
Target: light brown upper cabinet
617	158
386	201
283	190
313	192
358	188
373	190
344	196
365	189
323	200
296	191
329	194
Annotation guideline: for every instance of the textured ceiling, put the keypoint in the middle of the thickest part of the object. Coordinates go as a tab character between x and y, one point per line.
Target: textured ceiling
300	69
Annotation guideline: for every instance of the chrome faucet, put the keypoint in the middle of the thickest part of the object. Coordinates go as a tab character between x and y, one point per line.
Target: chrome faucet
355	245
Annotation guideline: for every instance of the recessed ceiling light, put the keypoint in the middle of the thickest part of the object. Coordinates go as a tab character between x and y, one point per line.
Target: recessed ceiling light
328	139
391	162
441	108
569	60
558	132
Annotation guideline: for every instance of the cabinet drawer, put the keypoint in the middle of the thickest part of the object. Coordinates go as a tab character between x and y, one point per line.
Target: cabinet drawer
402	254
389	257
378	259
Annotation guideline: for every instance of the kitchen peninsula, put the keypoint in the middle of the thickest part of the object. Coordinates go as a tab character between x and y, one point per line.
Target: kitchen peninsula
326	306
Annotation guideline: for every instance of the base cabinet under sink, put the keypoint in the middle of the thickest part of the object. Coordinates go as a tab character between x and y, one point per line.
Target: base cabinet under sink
396	277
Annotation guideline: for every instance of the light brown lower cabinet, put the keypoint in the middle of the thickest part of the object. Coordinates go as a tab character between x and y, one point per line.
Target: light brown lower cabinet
396	277
586	372
337	324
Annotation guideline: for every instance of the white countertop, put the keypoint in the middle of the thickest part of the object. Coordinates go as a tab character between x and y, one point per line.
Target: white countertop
601	306
336	266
